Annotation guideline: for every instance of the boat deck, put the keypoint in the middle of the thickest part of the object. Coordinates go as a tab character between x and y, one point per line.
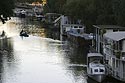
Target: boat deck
84	35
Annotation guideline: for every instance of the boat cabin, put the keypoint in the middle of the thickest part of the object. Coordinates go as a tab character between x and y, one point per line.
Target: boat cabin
75	28
95	67
95	64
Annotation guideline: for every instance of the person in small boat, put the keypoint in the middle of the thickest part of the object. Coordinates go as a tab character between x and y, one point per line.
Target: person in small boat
3	33
21	31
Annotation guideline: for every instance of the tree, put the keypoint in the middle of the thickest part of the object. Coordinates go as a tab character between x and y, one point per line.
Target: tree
105	13
54	6
6	7
119	11
25	1
82	9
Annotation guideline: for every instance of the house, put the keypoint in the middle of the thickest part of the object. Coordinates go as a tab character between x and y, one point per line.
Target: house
114	52
66	24
100	30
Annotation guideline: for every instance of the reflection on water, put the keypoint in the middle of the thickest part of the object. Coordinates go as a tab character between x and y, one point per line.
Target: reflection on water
39	61
40	58
32	27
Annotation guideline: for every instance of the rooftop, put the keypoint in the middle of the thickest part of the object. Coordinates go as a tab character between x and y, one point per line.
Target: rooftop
116	36
109	27
53	14
95	55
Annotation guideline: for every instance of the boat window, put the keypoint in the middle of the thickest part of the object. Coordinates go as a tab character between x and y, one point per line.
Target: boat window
80	26
75	26
101	70
96	70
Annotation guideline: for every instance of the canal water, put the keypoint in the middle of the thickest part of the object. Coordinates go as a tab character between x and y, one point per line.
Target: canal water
43	57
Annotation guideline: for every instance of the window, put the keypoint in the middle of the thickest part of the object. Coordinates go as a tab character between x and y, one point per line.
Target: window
80	26
96	70
115	30
101	70
75	26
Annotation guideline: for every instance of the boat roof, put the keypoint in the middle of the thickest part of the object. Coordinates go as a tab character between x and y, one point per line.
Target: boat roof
96	65
95	54
109	27
74	25
52	14
85	36
116	36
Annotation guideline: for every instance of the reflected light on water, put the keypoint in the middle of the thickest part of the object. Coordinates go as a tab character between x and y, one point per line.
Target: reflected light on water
10	29
37	59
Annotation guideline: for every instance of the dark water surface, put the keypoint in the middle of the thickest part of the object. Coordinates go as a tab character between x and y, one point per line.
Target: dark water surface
40	58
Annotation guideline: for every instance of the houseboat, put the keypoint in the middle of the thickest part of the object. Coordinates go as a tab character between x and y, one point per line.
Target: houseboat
114	51
65	23
77	35
110	41
100	30
74	30
95	67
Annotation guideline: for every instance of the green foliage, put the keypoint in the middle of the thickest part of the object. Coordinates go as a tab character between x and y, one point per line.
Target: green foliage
119	11
105	12
82	9
54	6
6	7
51	5
90	11
29	1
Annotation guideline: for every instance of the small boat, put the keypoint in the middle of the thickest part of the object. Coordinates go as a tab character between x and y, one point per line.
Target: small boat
95	67
3	35
24	34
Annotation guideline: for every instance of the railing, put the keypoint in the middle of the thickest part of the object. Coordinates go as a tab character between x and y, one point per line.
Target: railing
116	73
114	52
